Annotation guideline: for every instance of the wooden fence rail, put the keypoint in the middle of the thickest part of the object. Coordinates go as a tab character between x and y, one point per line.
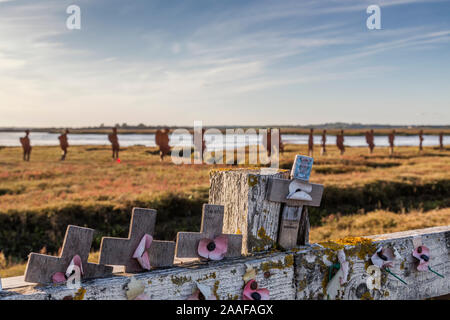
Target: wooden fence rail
301	273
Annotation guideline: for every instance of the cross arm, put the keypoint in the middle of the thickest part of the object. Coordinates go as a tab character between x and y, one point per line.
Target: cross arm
114	250
41	268
278	189
187	244
161	253
234	245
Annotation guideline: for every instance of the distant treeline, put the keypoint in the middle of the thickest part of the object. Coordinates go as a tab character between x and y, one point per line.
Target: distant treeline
332	128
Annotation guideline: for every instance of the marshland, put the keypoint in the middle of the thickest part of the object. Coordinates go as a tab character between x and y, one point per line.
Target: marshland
364	194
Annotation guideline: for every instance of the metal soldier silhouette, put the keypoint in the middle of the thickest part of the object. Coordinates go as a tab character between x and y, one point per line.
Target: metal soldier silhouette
280	142
64	144
420	140
162	141
340	142
311	142
112	137
203	142
370	140
323	150
26	146
391	142
268	141
441	141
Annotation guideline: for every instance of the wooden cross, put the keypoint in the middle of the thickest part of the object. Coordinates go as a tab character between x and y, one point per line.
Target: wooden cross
78	240
119	251
211	227
293	216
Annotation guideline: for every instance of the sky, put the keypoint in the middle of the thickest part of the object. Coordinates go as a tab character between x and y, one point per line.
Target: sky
224	62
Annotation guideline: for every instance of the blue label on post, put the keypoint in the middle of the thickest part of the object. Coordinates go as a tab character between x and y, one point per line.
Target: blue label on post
302	167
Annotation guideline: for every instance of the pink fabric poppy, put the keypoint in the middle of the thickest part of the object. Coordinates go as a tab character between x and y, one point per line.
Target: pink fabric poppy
383	258
422	254
60	277
213	249
141	252
251	292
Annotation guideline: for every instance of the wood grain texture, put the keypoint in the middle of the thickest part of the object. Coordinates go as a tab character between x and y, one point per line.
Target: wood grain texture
289	226
242	192
177	283
77	241
278	189
119	251
303	230
312	269
211	227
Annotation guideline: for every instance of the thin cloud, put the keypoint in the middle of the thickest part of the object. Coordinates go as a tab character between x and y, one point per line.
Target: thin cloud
237	53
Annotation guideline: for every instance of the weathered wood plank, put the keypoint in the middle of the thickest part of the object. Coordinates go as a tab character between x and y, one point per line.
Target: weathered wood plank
303	230
278	189
312	268
177	283
289	225
242	192
298	274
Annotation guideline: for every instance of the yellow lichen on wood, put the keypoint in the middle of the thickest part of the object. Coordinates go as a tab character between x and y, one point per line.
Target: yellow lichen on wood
302	284
215	288
79	295
262	235
362	247
353	241
288	262
231	297
180	280
261	241
366	296
252	180
211	275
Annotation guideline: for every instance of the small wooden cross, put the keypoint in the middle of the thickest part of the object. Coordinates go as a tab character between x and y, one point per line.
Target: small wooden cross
211	227
119	251
78	240
293	194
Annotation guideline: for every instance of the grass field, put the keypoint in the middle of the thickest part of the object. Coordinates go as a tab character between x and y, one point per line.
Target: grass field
363	194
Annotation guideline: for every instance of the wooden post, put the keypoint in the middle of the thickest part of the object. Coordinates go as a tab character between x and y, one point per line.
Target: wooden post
243	194
295	193
78	240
